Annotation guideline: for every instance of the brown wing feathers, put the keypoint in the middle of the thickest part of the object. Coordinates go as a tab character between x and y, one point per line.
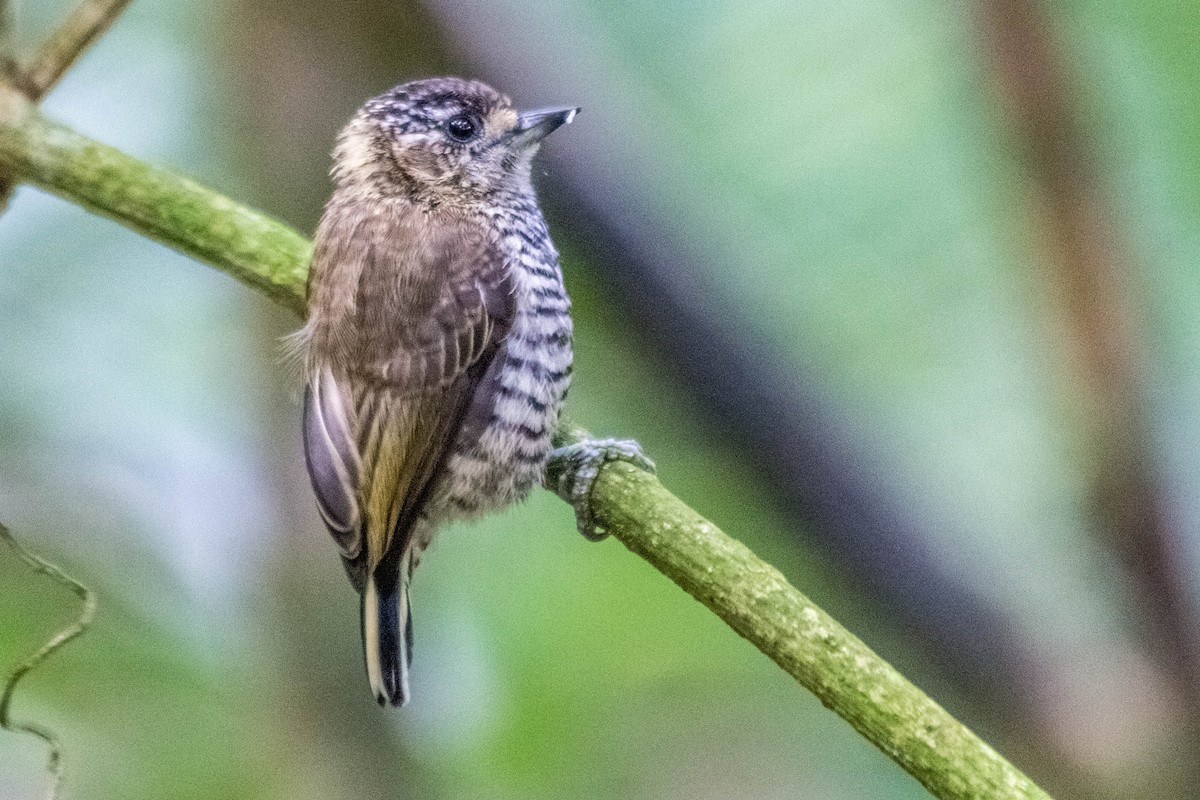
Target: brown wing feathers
393	364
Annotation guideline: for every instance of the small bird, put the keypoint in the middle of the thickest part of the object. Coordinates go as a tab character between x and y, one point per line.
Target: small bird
438	338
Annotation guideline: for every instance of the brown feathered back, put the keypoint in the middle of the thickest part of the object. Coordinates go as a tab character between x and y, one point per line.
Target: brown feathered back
406	307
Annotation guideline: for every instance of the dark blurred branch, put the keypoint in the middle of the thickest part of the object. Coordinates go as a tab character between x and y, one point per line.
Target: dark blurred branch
81	624
8	58
8	75
1090	285
82	26
750	595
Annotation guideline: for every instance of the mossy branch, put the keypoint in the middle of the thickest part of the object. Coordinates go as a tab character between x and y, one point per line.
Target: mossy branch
750	595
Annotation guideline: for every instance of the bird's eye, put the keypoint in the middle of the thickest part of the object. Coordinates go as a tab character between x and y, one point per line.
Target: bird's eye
462	128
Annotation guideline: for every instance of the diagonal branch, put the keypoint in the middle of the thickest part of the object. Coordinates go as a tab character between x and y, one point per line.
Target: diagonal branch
82	26
59	639
750	595
264	253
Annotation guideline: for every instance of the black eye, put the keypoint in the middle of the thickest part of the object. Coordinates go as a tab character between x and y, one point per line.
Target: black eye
461	128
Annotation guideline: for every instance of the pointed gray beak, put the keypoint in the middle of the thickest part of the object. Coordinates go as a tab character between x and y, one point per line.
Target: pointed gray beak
533	126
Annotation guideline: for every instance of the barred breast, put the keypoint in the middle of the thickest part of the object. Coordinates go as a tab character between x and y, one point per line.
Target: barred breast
504	444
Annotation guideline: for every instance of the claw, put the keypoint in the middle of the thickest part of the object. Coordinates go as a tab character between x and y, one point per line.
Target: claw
582	462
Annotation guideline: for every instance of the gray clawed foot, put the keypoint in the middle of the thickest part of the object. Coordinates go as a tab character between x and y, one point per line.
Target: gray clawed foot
580	464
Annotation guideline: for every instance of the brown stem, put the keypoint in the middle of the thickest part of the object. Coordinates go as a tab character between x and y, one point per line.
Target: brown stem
1089	283
82	26
8	64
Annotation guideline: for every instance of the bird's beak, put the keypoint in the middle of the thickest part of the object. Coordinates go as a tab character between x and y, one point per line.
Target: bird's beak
533	126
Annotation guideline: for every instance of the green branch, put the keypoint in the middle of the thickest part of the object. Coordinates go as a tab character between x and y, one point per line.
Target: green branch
750	595
265	253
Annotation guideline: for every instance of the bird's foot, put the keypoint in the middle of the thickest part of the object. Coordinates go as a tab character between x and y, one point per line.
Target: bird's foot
580	463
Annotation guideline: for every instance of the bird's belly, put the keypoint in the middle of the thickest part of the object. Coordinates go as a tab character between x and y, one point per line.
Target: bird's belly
503	463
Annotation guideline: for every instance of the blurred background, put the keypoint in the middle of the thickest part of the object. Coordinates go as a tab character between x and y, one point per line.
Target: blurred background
902	294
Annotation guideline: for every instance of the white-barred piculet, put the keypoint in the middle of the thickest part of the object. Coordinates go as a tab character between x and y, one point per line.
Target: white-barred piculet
438	338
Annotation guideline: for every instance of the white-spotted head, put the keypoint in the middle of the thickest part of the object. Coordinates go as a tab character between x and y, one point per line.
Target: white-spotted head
442	140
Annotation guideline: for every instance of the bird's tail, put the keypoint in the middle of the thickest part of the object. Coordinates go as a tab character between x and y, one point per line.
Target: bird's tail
387	634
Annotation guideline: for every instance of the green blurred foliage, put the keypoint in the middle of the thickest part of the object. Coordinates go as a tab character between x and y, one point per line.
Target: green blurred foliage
846	169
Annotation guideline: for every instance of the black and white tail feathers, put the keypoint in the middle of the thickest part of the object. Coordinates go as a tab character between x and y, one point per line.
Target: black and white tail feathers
387	634
336	471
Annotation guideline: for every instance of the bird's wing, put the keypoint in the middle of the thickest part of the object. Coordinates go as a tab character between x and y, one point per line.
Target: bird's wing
391	378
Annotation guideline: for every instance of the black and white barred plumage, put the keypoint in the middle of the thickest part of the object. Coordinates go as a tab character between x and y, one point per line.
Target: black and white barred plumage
496	461
438	338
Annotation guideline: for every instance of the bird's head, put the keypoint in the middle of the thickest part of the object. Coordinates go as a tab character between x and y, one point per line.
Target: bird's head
442	140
